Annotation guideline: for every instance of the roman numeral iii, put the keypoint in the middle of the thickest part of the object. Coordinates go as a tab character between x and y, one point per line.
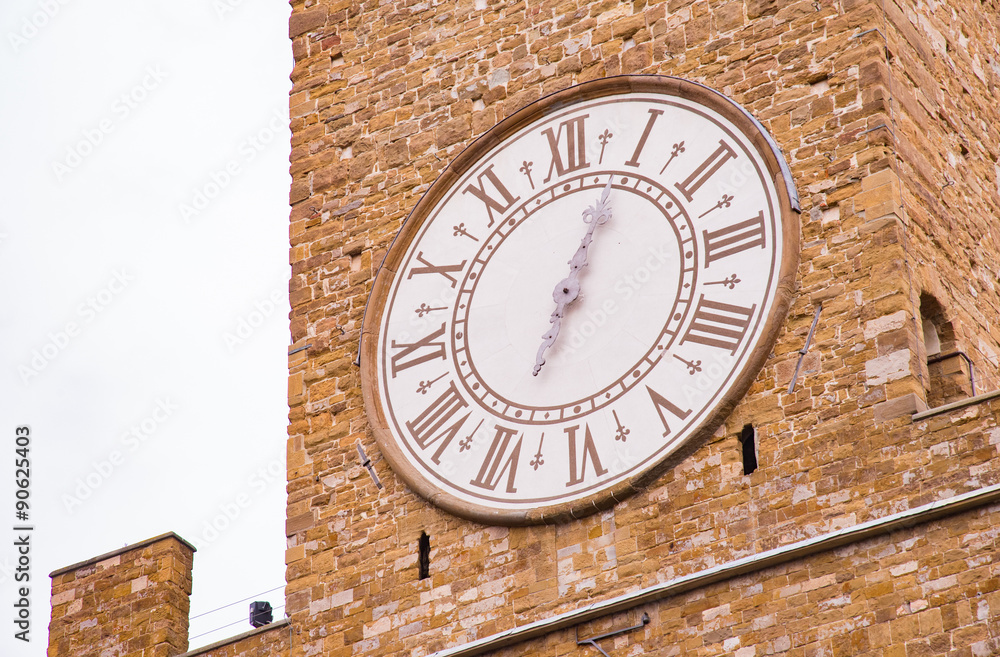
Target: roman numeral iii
734	239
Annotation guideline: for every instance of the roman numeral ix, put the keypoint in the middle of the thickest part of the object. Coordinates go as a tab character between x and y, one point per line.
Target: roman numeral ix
414	353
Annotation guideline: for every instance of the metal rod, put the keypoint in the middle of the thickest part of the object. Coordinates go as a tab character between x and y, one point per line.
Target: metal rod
593	643
861	34
594	639
880	125
606	635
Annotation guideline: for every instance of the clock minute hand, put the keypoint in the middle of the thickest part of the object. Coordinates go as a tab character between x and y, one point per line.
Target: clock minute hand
568	289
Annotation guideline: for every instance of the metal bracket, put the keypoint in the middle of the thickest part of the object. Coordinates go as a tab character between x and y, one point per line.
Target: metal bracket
804	349
861	34
592	641
367	463
878	127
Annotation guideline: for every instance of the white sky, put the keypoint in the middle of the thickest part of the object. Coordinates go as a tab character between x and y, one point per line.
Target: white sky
115	304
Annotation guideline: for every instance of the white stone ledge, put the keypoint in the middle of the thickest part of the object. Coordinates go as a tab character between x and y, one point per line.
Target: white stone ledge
971	401
284	622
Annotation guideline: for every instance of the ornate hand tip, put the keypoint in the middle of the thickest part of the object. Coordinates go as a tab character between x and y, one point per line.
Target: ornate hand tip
607	189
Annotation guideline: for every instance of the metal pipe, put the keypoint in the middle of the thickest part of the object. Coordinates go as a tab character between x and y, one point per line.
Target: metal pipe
972	368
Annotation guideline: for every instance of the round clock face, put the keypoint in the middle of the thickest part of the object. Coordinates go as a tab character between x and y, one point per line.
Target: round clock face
590	285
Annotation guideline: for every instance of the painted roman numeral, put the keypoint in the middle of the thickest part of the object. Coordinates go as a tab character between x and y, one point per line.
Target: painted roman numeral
661	403
575	147
734	239
500	459
578	464
493	204
720	325
634	160
444	270
414	353
705	170
429	427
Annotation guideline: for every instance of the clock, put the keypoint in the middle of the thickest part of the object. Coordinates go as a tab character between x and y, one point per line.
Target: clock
588	287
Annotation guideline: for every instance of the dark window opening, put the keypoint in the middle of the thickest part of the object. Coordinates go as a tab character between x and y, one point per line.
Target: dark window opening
424	560
748	441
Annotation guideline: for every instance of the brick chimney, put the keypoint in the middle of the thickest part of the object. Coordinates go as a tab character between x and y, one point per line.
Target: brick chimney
132	602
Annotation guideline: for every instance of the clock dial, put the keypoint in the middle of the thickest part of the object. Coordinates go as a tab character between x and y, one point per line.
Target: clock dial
595	282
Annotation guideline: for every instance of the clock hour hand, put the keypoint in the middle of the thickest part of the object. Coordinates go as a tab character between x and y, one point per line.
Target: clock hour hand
568	289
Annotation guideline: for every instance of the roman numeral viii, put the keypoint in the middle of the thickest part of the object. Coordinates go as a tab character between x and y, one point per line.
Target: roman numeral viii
734	239
500	459
575	147
429	427
414	353
720	325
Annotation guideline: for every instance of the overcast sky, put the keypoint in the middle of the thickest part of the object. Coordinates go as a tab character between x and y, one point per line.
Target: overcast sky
144	268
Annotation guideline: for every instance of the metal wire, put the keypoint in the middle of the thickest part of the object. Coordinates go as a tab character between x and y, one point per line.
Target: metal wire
222	627
206	613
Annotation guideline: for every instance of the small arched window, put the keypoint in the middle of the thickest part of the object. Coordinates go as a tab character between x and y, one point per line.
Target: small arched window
950	375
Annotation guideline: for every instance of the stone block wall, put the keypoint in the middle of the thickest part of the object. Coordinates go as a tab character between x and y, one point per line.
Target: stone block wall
942	71
929	591
386	94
